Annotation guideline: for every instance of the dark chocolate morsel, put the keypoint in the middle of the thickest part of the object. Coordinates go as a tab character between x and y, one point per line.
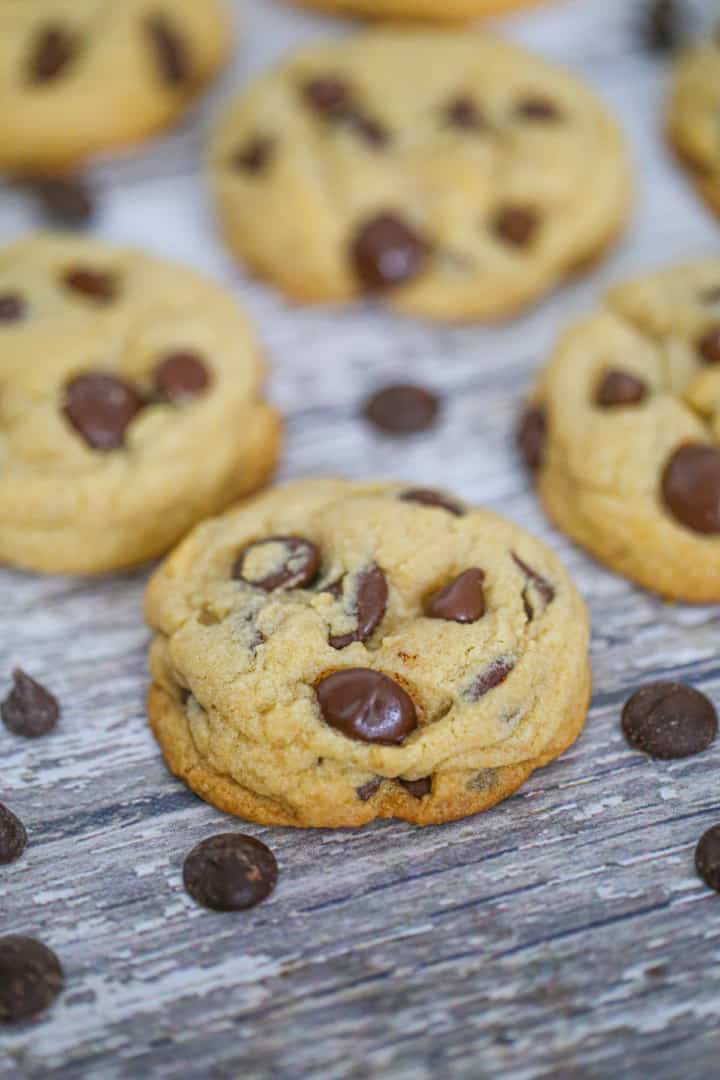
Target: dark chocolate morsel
669	720
328	95
433	499
386	252
620	388
53	50
230	872
12	307
546	590
31	977
169	48
13	836
181	376
516	225
690	486
536	108
462	601
369	604
493	676
64	200
29	709
417	788
94	284
402	409
463	113
366	792
101	407
366	705
707	857
255	155
709	346
296	567
532	436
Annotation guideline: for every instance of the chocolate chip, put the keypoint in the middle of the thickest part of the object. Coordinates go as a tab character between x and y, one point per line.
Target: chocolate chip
95	284
13	837
620	388
230	872
366	705
101	407
691	487
367	791
532	436
493	676
709	346
462	601
292	565
255	155
707	857
169	48
711	295
433	499
30	979
181	376
12	307
329	95
29	709
537	109
369	129
65	201
387	252
370	602
402	409
546	590
669	720
53	49
417	788
464	114
516	225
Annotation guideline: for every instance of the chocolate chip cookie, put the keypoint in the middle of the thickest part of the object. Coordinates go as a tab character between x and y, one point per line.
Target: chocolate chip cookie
78	78
694	116
129	405
623	432
333	652
451	175
442	10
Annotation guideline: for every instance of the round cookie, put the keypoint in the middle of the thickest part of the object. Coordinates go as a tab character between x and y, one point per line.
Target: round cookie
442	10
623	432
333	652
694	116
77	78
129	405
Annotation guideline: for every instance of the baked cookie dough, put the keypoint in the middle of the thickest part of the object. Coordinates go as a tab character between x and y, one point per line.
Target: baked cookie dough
694	116
82	76
442	10
453	175
334	652
623	432
129	405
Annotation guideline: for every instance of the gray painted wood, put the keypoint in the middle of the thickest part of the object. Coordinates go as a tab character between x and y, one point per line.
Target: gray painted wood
565	933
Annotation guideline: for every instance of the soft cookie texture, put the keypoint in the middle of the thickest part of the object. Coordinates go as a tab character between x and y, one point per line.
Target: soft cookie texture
454	175
129	405
694	116
623	432
442	10
81	76
333	652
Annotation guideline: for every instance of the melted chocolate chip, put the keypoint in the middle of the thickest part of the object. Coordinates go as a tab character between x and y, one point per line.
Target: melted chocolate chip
366	792
366	705
417	788
169	49
464	114
546	590
620	388
707	857
181	376
433	499
12	307
370	602
230	872
691	487
669	720
29	709
101	408
493	676
537	109
402	409
328	95
94	284
255	155
296	566
710	295
65	201
31	977
709	346
532	436
386	252
13	836
369	129
516	225
462	601
53	50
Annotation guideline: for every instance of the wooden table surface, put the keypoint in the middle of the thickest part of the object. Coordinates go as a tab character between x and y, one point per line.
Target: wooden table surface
563	934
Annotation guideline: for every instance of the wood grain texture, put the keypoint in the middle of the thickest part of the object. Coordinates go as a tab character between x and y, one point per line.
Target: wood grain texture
563	934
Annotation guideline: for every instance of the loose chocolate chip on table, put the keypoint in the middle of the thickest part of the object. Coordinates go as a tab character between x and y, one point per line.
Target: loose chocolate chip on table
462	601
493	676
366	705
181	376
516	225
101	407
255	155
707	857
546	590
531	437
63	200
53	50
169	48
12	307
386	252
464	114
433	499
367	791
417	788
402	409
95	284
691	487
13	836
30	978
669	720
29	709
327	94
709	346
292	563
370	602
538	109
620	388
230	872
